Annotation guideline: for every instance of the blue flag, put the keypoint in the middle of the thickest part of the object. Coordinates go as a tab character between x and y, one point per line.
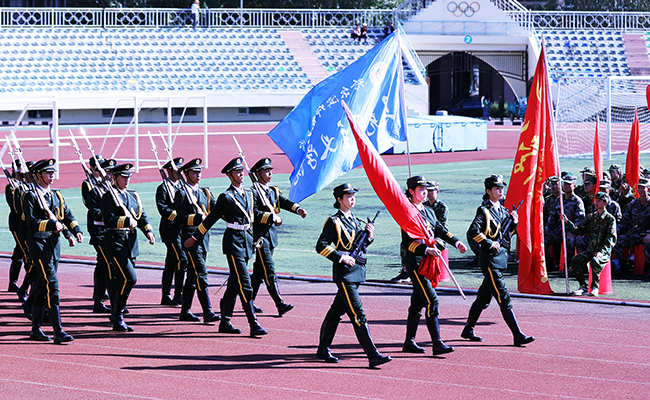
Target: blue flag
316	134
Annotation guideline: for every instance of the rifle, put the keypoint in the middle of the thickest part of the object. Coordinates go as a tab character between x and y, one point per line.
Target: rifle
257	186
12	181
33	185
166	181
505	234
112	190
89	175
360	244
186	187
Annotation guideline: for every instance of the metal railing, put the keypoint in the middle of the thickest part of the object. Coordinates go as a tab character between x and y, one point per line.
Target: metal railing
461	28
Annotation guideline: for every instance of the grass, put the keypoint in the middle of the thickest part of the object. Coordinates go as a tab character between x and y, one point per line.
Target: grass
461	189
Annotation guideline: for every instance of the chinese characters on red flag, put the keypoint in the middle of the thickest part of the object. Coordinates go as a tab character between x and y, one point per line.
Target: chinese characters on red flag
535	161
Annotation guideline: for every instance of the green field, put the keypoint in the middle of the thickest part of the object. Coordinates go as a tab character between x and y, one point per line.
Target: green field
461	189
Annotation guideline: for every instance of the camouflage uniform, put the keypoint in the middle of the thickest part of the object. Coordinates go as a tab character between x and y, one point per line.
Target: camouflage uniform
634	225
624	201
575	212
613	208
600	230
549	205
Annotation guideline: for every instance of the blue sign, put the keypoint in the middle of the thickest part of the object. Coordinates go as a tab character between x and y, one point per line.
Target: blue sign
468	39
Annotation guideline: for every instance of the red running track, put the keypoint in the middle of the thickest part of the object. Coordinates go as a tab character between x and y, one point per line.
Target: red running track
582	351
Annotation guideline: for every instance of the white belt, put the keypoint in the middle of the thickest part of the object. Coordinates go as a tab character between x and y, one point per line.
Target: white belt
236	226
100	223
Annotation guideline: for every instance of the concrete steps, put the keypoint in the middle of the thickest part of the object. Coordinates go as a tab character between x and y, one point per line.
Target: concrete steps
304	56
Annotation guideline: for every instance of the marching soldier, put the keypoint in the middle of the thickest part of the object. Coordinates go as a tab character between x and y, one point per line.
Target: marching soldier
46	216
92	197
23	233
236	207
600	229
424	295
19	255
336	243
191	212
170	235
265	233
122	215
493	260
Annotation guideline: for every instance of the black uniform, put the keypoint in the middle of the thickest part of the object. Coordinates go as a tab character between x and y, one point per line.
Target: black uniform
18	256
423	296
44	249
486	228
197	273
336	240
235	206
121	245
266	234
175	259
92	197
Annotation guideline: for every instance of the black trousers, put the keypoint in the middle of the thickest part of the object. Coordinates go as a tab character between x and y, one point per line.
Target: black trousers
263	267
103	266
423	296
347	301
124	272
45	289
239	281
493	286
197	273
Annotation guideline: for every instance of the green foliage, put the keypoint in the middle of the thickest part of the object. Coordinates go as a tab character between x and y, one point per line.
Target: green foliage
607	5
251	4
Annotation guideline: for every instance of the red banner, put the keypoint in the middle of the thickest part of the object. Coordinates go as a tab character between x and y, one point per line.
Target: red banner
535	161
598	158
391	194
632	162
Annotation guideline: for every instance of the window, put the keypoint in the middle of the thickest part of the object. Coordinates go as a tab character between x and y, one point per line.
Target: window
178	111
45	114
121	112
254	111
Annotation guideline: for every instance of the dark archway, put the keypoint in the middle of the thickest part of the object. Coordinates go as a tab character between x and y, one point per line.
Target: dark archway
460	75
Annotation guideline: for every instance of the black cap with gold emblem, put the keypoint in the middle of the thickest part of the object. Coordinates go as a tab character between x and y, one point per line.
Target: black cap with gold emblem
236	164
494	181
46	165
264	163
178	161
345	188
193	165
123	170
108	165
95	160
415	181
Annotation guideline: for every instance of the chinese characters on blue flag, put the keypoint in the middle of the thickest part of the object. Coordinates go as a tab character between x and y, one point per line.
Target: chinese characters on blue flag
316	135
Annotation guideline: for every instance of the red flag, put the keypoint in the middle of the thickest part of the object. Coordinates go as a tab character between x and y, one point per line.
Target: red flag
391	194
632	162
536	160
647	95
598	158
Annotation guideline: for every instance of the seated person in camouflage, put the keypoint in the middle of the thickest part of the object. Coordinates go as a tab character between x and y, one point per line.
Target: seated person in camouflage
613	207
625	194
575	212
553	184
580	189
634	225
600	229
590	188
617	177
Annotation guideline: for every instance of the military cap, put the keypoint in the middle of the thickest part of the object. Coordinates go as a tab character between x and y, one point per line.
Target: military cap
607	176
494	180
433	185
415	181
123	169
264	163
554	178
345	188
590	179
602	196
108	165
565	173
236	164
18	164
614	167
94	160
46	165
588	170
569	179
605	182
193	165
644	182
645	171
178	161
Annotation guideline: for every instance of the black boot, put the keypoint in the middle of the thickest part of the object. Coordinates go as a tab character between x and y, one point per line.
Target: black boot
227	307
256	329
99	289
179	277
410	346
27	309
274	292
117	315
14	272
208	314
37	317
186	314
327	332
24	288
472	318
439	347
375	359
167	277
59	334
519	338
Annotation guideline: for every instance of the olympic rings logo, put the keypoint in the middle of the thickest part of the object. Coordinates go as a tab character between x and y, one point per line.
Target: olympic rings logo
463	8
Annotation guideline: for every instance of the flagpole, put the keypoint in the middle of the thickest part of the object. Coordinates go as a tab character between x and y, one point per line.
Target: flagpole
557	157
400	45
